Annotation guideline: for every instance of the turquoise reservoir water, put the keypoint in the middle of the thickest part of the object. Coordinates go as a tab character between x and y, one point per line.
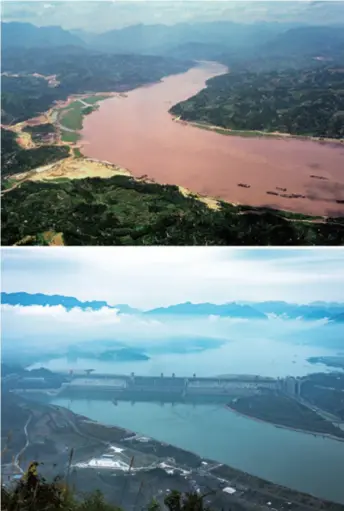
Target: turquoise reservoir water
307	463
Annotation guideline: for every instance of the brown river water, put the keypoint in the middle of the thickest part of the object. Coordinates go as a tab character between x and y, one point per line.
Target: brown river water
138	133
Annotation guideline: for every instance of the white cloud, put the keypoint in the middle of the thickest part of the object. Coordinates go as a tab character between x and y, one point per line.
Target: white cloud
150	277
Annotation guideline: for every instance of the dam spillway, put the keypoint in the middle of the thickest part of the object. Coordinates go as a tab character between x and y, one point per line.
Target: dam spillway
129	387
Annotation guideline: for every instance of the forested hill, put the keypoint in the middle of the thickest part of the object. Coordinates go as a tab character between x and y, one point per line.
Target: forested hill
14	159
295	48
90	212
309	102
292	83
77	71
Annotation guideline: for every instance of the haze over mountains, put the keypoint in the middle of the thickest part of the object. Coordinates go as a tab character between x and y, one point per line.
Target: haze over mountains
207	39
28	35
103	16
332	311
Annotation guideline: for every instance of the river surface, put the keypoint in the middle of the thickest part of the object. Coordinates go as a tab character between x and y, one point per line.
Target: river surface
297	460
138	133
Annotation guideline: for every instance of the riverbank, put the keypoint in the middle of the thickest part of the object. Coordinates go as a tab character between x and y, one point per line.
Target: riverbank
256	133
314	194
274	171
287	458
136	210
281	426
111	450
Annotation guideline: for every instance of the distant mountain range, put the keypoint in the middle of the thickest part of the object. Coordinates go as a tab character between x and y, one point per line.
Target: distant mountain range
68	302
29	36
226	41
208	309
312	311
162	39
104	16
215	36
249	310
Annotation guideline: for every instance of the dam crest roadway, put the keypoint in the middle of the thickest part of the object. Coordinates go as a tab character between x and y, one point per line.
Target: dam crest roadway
121	386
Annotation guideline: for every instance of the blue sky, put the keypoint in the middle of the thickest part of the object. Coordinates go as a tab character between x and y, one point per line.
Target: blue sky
158	276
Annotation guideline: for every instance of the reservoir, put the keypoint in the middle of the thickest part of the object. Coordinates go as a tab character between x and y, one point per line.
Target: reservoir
305	462
248	354
297	460
138	133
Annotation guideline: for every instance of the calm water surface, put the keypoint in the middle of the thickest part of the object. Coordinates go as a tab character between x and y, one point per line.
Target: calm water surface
248	355
138	133
300	461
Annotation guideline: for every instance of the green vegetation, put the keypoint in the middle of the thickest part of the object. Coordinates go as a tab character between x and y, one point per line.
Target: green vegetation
78	70
15	160
92	100
300	102
8	183
25	97
326	392
71	117
122	211
41	133
34	493
284	411
77	152
69	136
12	421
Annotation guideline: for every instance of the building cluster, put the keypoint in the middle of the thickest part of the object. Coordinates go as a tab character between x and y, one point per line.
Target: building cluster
290	386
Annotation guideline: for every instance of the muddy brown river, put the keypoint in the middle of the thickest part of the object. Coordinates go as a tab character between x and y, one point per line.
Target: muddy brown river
138	133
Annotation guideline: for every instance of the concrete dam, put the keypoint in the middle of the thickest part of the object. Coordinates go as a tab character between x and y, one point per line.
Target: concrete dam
133	387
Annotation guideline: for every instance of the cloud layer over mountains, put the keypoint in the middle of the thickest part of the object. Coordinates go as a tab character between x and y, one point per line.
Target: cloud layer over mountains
161	276
106	15
59	321
171	298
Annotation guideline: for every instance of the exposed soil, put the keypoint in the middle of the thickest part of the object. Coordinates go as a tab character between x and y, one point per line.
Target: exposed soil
78	168
138	133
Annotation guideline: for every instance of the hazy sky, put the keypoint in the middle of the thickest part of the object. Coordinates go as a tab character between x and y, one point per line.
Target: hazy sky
158	276
105	15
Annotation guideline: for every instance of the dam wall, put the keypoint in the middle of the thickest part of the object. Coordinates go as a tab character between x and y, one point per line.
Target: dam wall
165	388
124	387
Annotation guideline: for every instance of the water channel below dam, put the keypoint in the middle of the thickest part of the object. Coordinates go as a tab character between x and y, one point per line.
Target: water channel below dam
305	462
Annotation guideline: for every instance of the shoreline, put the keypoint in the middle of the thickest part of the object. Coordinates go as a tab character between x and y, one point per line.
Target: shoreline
281	184
257	134
222	471
248	133
212	202
281	426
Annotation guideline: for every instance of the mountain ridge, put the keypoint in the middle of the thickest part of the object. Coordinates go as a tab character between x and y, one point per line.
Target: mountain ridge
14	34
333	311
